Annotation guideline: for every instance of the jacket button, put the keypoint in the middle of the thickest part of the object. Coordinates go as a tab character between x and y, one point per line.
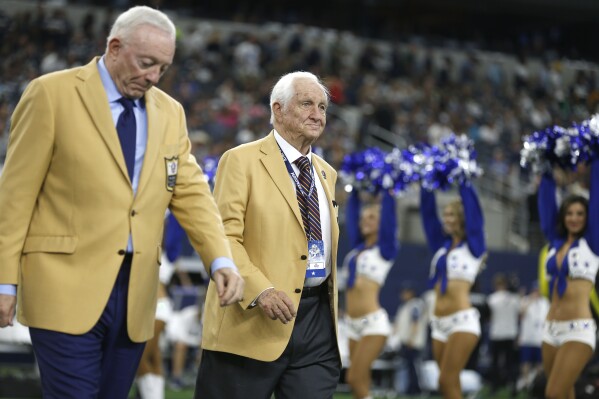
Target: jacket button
297	290
121	252
133	213
303	257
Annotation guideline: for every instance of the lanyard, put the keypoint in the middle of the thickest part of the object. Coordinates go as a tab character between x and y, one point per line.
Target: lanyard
299	187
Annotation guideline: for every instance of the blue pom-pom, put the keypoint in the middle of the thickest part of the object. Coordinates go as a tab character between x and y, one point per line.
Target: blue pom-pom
373	170
434	167
561	147
451	163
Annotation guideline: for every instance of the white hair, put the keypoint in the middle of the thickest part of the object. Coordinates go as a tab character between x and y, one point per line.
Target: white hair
129	21
284	89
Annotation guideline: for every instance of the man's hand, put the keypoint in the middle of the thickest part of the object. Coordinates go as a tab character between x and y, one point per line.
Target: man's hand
229	286
7	309
277	305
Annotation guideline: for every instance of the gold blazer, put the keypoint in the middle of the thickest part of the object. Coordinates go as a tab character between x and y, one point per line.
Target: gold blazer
257	201
67	206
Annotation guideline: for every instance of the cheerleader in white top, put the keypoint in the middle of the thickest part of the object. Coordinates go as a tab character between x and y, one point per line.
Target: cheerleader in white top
372	235
458	244
572	262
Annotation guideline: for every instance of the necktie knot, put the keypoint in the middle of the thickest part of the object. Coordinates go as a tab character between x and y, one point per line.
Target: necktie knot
303	164
128	103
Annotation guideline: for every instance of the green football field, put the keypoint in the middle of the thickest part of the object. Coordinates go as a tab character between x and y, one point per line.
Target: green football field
484	394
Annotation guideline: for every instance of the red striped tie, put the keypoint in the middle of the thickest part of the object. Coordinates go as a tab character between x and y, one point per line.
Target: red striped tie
309	207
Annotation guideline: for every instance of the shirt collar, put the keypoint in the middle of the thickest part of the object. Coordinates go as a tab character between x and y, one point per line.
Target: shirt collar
290	151
109	86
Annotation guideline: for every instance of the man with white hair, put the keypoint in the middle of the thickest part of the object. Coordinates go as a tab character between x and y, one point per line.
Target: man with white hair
277	201
96	156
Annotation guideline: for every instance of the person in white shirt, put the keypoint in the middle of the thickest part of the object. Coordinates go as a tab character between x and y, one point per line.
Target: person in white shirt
503	331
533	311
410	329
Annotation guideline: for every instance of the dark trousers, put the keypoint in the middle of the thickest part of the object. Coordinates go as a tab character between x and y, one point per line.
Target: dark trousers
99	364
308	368
411	356
504	363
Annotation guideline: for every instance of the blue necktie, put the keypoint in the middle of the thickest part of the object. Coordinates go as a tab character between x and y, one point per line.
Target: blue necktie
126	127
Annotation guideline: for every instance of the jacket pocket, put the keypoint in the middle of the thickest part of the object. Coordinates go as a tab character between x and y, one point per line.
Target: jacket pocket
51	244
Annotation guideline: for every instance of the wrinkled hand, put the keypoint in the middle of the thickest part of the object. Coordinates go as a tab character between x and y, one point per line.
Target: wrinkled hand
7	309
229	286
277	305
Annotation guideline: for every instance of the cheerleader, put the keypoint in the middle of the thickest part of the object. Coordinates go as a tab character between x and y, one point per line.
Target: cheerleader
458	245
372	235
572	262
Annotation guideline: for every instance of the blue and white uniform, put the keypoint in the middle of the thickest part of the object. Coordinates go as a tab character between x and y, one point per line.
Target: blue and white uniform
173	236
580	262
372	263
462	262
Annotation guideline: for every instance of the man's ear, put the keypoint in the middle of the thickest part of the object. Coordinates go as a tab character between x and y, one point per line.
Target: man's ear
277	110
114	46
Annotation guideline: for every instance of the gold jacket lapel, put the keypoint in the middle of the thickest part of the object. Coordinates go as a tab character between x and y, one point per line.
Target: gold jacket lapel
95	100
273	162
155	129
327	185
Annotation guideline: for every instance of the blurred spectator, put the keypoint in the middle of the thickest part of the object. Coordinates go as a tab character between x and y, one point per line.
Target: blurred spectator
417	91
409	335
533	310
503	330
184	332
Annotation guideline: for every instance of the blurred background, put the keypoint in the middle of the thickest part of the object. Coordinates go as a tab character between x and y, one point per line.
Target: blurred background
400	72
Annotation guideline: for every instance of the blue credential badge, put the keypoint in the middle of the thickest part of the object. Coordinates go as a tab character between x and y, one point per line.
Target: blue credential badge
316	263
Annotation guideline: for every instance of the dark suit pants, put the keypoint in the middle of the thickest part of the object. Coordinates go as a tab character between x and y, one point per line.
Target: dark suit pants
504	365
308	368
99	364
411	357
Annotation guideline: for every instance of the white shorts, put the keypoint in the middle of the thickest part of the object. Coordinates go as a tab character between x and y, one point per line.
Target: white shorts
557	333
166	270
463	321
164	309
375	323
185	326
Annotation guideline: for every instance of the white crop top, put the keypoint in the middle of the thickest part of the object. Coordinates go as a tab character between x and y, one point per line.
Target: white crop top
582	262
371	265
461	264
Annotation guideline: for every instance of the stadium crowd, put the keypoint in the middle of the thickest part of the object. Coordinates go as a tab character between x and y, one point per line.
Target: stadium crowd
418	92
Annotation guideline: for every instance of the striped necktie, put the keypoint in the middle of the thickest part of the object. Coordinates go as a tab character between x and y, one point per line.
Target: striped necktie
308	206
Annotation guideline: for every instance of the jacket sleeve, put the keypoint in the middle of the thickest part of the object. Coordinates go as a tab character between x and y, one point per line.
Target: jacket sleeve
232	192
29	155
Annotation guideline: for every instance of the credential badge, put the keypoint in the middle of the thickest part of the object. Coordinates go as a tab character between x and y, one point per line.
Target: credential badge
172	165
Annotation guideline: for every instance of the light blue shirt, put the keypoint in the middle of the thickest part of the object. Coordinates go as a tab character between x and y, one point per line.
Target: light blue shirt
141	140
141	136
